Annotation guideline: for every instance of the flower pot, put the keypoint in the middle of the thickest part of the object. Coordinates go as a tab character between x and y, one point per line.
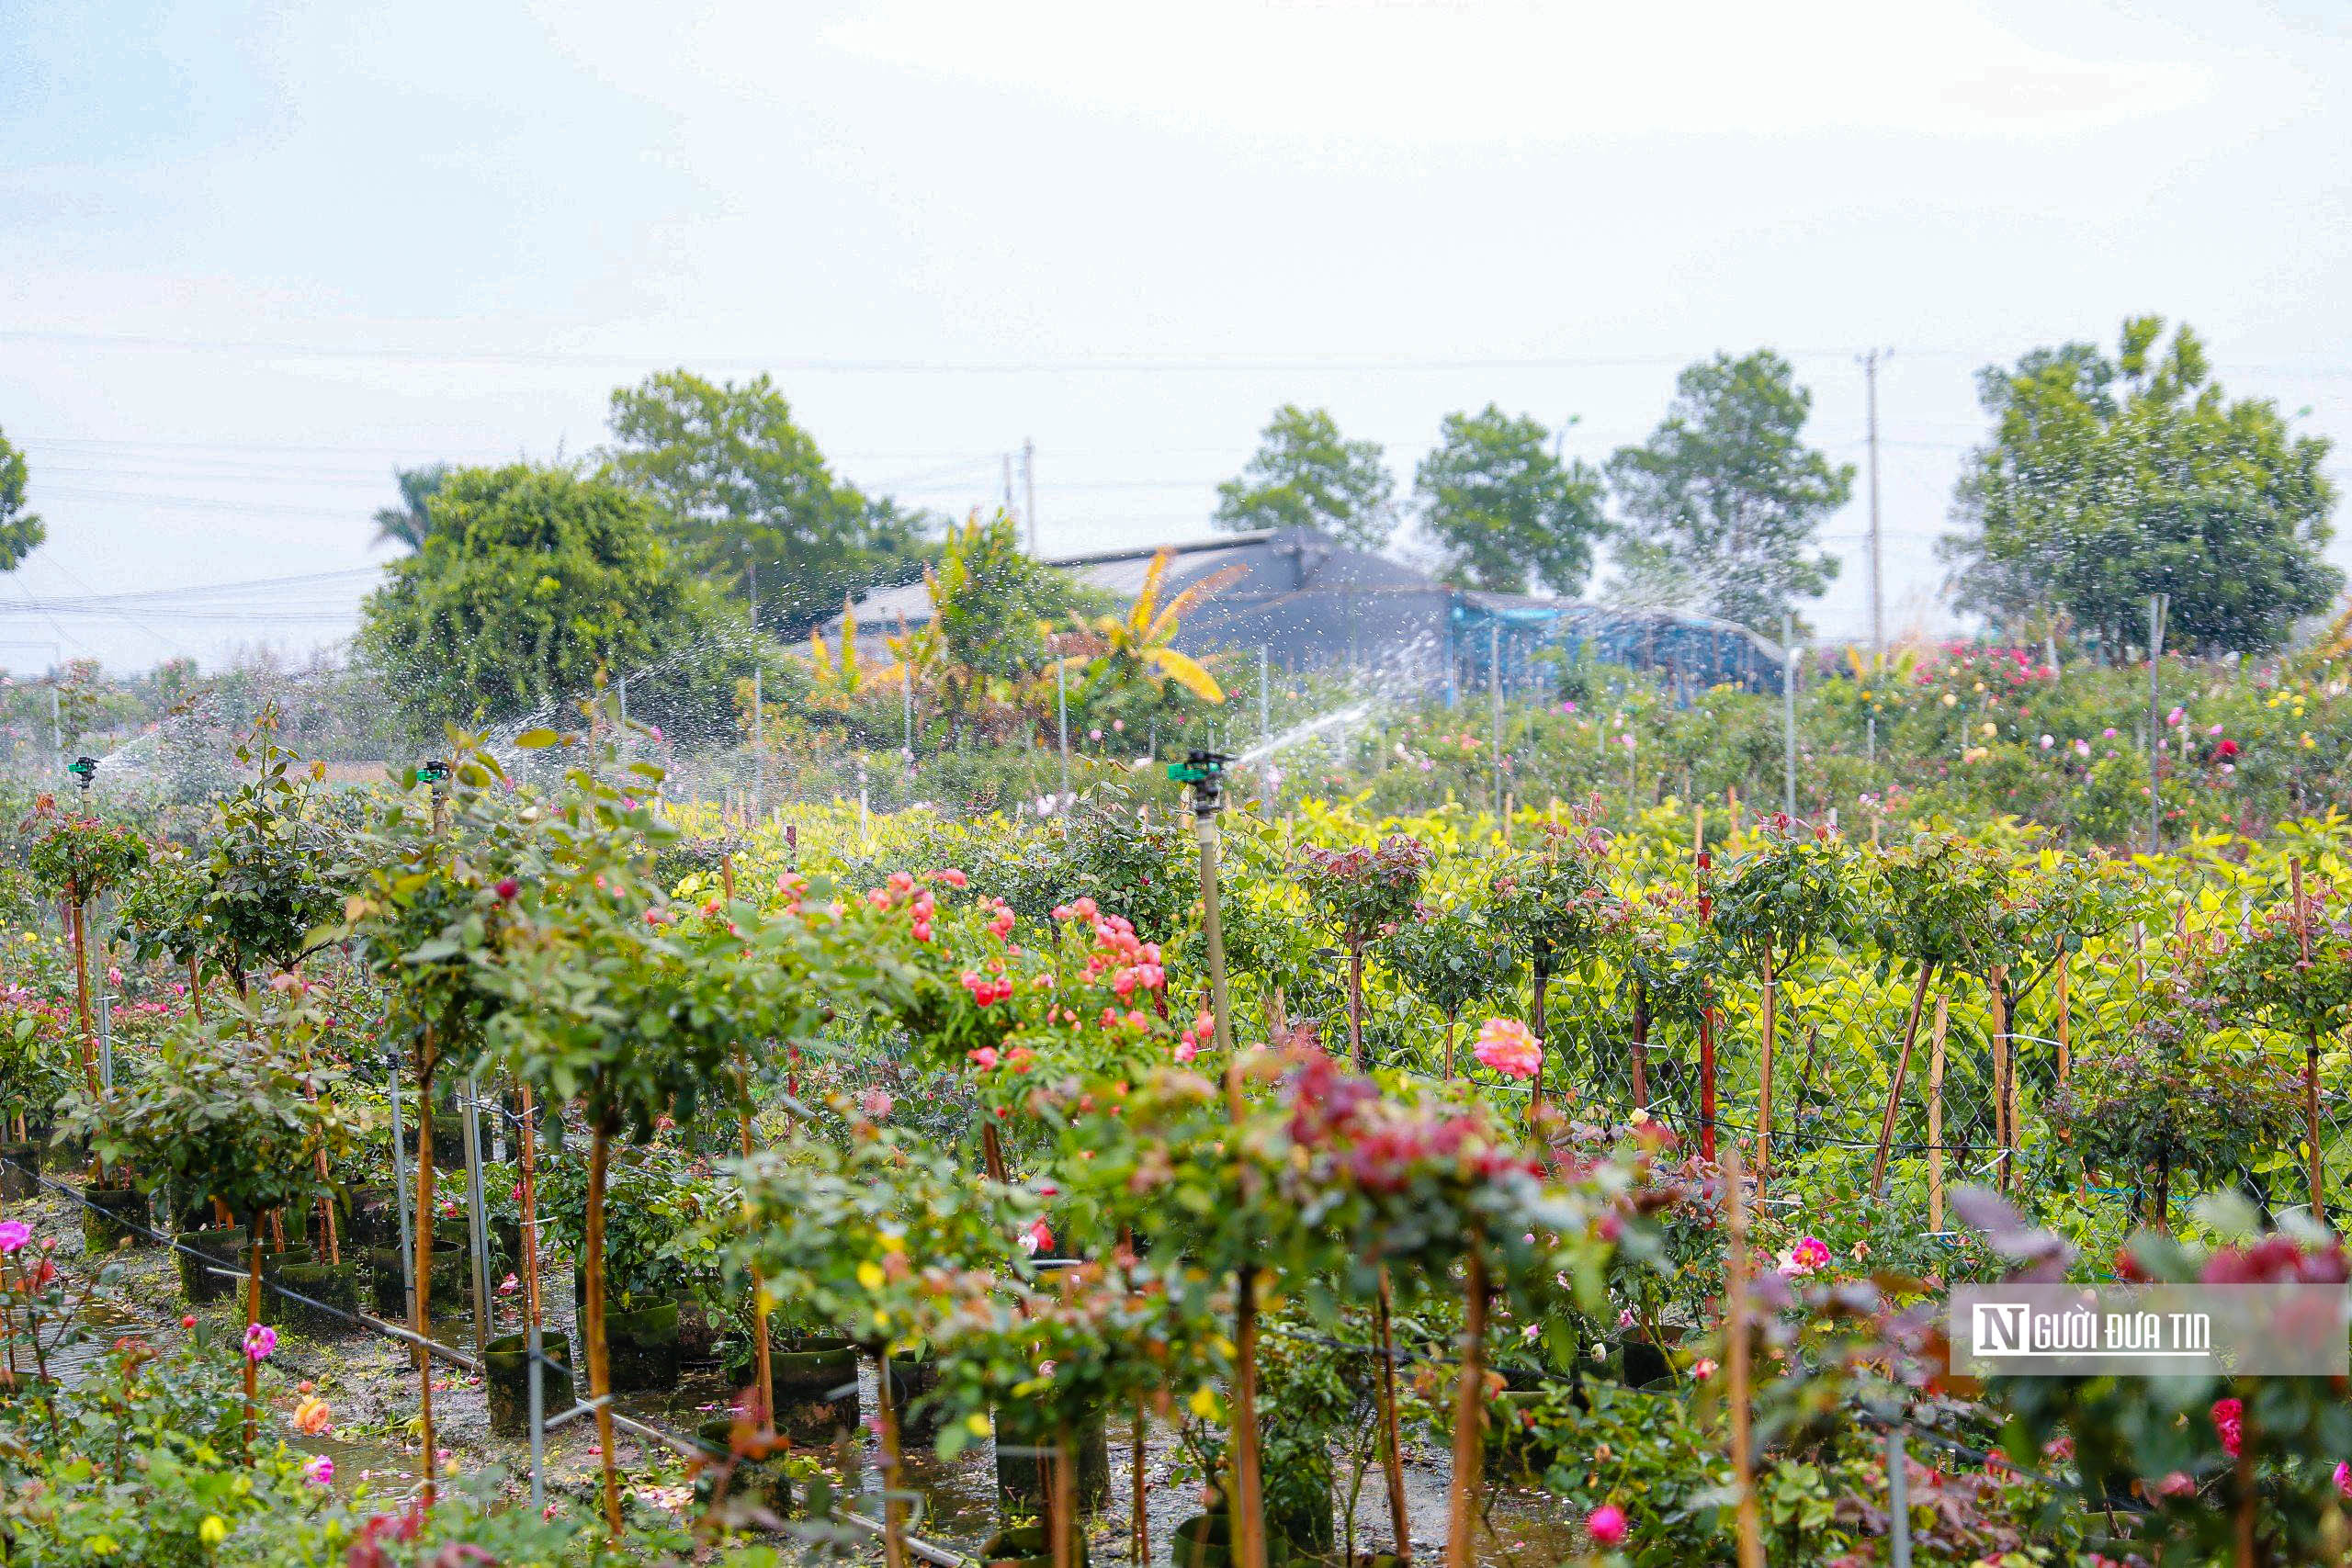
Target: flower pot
813	1390
641	1349
1022	1472
1029	1546
335	1286
507	1381
20	1172
110	1210
912	1377
762	1484
203	1251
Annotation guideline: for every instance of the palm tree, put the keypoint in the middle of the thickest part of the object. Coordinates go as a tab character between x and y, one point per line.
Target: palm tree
408	523
1138	647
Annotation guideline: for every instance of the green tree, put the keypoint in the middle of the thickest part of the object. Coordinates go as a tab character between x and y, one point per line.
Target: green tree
1304	475
21	533
407	523
530	581
1505	507
2106	481
1723	501
747	491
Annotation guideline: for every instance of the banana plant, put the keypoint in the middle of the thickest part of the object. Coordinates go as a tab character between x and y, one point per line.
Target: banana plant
1139	648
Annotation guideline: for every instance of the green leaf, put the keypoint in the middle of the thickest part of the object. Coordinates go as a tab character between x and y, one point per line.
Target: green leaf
538	738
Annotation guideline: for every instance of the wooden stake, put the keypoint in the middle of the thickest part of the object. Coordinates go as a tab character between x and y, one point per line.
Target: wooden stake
1936	1116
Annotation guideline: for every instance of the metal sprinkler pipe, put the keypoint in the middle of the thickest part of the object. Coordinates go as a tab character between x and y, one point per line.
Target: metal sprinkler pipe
1204	770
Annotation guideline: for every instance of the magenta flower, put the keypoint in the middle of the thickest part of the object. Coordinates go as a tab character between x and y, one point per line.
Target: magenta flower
319	1471
13	1233
1607	1524
260	1341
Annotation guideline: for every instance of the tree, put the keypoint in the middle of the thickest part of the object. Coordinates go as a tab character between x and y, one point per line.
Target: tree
1505	507
21	531
746	491
408	523
1305	476
533	580
1723	499
2106	480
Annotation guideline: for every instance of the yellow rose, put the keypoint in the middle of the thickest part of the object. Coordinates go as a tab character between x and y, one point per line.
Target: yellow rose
212	1531
869	1274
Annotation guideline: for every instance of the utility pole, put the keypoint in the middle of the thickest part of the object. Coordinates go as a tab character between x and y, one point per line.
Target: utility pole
1029	492
1008	481
1870	403
1788	714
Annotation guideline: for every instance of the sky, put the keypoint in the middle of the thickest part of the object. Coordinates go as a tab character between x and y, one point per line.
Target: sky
255	256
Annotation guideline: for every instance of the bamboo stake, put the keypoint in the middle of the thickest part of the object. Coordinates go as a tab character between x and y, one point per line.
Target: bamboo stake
420	1295
600	1381
1895	1085
1743	1463
2311	1051
253	1316
1392	1453
1764	1087
762	1357
74	918
2003	1077
1936	1116
1469	1410
2066	1020
195	989
894	1540
1064	1505
530	1208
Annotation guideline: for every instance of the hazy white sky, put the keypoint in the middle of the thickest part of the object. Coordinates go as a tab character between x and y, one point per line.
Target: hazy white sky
257	255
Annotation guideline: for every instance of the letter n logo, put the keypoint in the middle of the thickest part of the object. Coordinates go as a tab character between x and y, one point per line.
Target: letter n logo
2000	1329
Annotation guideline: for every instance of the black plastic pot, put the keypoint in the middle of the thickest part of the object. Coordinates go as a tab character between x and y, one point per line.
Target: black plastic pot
1029	1546
910	1378
698	1336
335	1286
203	1251
387	1285
641	1349
100	1232
507	1381
20	1172
813	1387
1206	1540
1298	1501
1021	1470
371	1216
753	1483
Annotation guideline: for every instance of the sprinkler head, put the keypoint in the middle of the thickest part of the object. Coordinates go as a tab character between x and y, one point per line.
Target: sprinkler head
1204	770
431	773
85	769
